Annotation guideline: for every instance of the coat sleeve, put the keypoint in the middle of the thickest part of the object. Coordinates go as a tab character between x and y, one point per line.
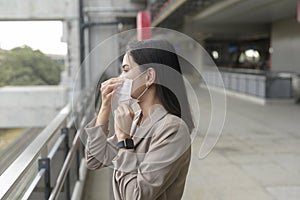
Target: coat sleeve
100	150
147	177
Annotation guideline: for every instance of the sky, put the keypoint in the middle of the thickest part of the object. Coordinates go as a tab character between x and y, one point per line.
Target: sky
43	35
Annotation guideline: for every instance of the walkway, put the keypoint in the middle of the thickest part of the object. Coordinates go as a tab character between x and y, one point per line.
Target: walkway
257	156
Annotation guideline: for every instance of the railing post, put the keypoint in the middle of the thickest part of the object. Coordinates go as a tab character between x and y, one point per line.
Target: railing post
65	131
44	163
247	84
257	86
78	164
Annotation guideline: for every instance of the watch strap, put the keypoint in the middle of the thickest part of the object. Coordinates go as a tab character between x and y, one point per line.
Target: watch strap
127	143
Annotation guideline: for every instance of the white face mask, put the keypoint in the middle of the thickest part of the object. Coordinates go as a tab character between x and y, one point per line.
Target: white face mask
123	94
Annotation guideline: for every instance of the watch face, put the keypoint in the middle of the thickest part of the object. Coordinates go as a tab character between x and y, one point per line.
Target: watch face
129	143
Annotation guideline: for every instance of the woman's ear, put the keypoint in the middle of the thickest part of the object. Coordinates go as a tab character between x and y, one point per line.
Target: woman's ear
151	75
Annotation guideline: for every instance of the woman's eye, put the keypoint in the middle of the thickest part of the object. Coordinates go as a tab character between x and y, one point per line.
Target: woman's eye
125	68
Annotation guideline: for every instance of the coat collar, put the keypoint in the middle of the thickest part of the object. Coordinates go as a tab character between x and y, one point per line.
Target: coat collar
157	112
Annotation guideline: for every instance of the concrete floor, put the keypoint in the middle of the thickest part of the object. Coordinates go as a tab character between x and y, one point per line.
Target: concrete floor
257	156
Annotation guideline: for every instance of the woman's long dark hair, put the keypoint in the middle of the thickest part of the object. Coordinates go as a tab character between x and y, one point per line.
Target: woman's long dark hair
161	55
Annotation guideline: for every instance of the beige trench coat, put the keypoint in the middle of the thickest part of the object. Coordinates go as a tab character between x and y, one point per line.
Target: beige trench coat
158	165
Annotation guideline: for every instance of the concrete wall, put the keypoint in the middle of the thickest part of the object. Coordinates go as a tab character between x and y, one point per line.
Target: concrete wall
285	41
30	106
36	9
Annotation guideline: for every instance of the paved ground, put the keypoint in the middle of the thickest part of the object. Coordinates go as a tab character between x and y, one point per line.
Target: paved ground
257	156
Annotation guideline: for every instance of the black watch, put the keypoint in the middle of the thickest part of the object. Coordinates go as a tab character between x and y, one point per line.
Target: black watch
127	143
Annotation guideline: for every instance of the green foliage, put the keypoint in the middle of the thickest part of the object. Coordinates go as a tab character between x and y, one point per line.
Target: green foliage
24	66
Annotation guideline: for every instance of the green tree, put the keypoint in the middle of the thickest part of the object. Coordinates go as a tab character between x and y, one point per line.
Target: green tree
24	66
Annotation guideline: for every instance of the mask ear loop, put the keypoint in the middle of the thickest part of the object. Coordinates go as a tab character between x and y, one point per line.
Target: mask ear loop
139	75
145	90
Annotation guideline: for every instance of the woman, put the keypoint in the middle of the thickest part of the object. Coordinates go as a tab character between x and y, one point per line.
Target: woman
150	149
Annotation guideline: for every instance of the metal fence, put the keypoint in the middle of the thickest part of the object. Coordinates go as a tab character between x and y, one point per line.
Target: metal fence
53	165
260	85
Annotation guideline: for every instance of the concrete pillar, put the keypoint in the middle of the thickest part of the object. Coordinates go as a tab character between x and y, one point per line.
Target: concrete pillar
103	46
285	42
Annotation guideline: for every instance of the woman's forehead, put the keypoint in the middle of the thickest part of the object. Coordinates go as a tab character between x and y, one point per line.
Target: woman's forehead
128	60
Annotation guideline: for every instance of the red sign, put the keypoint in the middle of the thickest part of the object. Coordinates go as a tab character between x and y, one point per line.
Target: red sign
298	18
143	21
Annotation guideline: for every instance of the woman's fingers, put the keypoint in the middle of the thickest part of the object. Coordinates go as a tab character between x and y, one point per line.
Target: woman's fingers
131	112
127	110
124	111
110	85
109	95
109	88
111	81
123	118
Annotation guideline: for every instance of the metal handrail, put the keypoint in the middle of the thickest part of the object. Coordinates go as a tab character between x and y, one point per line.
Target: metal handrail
66	166
17	170
71	153
33	184
20	168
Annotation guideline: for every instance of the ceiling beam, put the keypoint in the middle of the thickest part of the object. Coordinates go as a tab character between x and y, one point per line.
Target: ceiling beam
167	11
219	6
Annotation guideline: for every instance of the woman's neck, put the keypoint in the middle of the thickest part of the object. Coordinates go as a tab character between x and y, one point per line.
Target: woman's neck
147	101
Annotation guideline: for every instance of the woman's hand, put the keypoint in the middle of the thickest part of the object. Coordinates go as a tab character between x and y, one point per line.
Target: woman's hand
107	90
123	120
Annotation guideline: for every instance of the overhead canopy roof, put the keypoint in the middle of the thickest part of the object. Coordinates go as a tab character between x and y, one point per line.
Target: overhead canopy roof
224	18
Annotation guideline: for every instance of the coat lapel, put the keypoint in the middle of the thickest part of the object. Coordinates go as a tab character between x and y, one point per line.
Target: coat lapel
157	113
